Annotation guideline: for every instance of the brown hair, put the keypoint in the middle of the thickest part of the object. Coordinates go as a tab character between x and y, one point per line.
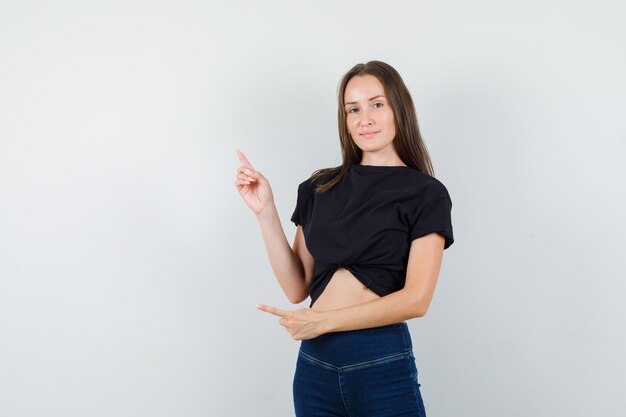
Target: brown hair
408	141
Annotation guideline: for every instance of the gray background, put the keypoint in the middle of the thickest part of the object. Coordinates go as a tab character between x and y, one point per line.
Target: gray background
130	266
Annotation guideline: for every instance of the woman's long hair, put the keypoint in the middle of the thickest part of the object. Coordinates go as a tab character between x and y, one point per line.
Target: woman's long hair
408	141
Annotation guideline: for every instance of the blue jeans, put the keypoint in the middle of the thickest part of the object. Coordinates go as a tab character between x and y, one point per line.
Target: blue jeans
358	373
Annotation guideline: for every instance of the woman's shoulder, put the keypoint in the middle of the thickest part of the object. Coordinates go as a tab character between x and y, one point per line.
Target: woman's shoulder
425	185
320	176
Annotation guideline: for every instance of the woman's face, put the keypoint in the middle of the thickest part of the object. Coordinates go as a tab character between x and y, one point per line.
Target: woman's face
369	117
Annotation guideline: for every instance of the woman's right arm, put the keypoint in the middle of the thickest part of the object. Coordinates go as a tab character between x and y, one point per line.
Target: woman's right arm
293	268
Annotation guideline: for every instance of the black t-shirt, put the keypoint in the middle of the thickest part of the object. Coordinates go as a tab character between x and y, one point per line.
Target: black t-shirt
366	223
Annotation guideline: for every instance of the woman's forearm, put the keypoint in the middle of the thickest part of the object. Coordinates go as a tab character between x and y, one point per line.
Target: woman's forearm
392	308
285	263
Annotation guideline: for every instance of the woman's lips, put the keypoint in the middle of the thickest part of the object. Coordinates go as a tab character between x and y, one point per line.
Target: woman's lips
369	134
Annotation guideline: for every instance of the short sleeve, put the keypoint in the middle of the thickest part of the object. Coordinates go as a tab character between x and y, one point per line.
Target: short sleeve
301	202
433	214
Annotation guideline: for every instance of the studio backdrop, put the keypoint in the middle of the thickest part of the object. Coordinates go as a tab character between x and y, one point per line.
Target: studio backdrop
130	266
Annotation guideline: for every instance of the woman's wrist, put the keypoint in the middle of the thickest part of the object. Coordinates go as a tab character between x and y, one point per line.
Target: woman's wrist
326	323
268	213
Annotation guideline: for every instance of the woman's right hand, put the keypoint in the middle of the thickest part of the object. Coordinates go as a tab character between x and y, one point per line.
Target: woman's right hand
253	187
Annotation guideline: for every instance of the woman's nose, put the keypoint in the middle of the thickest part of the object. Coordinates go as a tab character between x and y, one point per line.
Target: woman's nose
366	118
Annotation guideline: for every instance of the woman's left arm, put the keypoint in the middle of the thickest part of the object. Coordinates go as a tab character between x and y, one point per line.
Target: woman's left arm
423	266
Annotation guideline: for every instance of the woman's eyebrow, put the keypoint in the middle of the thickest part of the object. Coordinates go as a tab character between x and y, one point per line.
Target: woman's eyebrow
354	102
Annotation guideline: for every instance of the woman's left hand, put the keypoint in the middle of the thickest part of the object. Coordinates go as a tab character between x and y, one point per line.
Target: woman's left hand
303	323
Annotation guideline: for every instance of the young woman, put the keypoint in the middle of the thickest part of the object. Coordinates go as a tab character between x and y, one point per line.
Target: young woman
368	250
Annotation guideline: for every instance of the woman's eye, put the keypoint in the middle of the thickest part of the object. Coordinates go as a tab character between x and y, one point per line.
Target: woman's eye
350	110
381	104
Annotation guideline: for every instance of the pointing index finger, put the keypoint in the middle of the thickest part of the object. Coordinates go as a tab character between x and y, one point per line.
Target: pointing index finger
244	160
273	310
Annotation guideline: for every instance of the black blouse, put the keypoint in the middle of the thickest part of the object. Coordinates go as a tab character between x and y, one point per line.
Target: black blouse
366	223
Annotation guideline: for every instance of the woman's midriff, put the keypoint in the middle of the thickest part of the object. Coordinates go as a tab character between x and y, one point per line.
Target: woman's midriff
343	290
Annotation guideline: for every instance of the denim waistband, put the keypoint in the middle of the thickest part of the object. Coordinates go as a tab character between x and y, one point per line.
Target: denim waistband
357	346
